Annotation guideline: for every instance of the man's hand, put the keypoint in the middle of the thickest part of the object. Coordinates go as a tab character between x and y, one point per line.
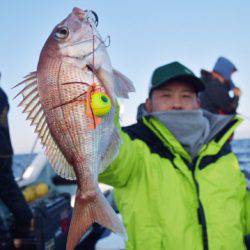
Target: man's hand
18	243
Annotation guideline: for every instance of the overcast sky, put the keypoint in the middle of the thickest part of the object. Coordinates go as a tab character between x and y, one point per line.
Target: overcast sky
144	35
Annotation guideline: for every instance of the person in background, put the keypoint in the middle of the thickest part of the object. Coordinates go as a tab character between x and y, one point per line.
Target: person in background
221	96
10	194
177	184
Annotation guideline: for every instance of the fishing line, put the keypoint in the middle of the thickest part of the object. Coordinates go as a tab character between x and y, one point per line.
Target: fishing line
109	41
93	51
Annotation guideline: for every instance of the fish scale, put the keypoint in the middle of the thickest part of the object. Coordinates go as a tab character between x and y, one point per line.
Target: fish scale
57	98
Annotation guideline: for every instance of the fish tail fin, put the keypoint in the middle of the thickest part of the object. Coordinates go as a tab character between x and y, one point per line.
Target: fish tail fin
80	222
86	213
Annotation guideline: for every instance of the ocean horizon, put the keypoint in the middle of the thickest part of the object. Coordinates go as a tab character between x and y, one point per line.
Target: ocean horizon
241	147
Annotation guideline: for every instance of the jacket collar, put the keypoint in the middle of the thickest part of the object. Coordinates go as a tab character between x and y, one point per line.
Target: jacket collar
169	140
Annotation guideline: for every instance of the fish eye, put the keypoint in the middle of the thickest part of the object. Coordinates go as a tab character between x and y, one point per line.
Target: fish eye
62	32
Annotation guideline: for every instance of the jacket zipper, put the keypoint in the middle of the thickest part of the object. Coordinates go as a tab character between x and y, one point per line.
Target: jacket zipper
200	210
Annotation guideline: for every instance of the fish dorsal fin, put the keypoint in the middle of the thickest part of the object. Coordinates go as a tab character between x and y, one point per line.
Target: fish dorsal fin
122	84
32	107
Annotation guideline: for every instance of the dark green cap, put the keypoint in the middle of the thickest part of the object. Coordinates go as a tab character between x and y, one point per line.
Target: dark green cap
175	71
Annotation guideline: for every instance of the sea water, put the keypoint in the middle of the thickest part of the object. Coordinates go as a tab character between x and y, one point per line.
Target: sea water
240	147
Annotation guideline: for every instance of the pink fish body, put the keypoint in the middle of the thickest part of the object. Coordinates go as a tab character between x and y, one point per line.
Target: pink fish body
73	66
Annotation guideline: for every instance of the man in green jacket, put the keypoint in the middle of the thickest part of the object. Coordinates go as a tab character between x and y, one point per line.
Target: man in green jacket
177	183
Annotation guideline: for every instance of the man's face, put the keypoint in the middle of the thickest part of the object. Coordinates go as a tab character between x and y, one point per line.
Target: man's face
173	96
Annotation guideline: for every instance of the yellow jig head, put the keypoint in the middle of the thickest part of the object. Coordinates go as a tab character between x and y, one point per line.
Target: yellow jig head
100	104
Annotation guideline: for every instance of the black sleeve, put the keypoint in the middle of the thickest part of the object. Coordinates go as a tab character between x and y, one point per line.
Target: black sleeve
12	196
3	101
219	95
5	141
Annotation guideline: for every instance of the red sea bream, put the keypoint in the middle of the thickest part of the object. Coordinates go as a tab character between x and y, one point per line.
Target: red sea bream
65	98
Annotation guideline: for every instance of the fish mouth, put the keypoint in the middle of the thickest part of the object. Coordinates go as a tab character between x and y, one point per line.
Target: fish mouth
85	41
81	57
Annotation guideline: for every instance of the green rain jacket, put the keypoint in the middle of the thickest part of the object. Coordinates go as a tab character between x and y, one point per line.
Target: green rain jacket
169	201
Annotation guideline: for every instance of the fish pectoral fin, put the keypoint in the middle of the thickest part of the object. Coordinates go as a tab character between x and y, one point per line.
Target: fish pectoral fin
105	78
94	208
123	85
111	152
